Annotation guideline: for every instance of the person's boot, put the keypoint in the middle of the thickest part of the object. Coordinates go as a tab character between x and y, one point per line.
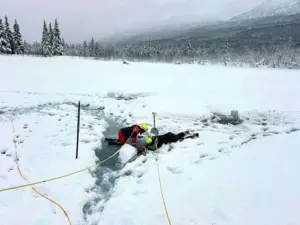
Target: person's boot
188	132
196	135
192	136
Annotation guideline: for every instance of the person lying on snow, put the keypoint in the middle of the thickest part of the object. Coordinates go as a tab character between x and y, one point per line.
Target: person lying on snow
153	143
131	132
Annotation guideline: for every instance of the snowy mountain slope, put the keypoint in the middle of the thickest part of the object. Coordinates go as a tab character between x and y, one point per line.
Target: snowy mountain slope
271	8
244	174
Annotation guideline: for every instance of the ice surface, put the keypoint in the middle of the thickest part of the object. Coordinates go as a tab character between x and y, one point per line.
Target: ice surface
232	174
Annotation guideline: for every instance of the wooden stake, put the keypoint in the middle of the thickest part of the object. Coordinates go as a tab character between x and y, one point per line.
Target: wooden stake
78	125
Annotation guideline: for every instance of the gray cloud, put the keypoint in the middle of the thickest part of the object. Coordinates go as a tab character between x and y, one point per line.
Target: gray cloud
80	19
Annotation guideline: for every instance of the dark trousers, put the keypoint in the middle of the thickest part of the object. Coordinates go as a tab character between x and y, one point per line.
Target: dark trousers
169	138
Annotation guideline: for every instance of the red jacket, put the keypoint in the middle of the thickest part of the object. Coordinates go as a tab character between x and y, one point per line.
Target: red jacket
132	132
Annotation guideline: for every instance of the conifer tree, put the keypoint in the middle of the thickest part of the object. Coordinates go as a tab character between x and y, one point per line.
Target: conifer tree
58	48
46	48
17	38
4	45
85	50
50	36
92	48
8	37
26	48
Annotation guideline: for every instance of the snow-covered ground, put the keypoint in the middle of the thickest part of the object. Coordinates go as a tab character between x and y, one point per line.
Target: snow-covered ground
232	175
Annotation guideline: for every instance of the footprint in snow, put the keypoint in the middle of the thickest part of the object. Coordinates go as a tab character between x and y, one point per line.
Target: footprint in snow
220	150
213	157
235	146
64	144
3	151
126	173
85	141
275	132
139	181
293	129
248	140
226	152
138	174
200	143
136	193
232	137
175	170
203	155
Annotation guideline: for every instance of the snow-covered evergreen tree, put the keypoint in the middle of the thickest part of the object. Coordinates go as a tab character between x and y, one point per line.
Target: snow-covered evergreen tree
51	37
8	37
46	47
17	38
4	45
225	52
26	48
290	61
85	50
97	50
35	49
92	48
58	46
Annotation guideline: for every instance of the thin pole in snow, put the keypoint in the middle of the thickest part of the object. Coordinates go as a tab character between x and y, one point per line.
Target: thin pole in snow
78	123
154	114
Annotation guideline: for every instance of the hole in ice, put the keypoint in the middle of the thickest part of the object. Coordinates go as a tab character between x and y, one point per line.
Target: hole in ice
106	173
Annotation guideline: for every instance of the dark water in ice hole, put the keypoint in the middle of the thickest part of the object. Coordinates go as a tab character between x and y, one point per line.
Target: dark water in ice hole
105	174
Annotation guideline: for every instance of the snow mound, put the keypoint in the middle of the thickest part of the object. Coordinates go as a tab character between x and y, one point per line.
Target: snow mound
126	153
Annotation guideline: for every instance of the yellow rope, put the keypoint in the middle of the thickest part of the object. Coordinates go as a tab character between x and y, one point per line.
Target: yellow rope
65	175
79	171
159	179
24	178
162	196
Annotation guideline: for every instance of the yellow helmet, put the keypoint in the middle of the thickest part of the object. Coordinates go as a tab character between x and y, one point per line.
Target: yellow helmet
144	127
148	141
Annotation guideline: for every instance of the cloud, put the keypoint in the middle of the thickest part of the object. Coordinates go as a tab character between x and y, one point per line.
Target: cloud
82	19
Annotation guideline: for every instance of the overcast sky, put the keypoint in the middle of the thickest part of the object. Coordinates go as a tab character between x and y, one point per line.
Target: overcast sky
82	19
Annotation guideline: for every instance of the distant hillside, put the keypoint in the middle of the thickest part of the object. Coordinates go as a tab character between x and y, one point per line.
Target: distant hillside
271	8
287	25
272	25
